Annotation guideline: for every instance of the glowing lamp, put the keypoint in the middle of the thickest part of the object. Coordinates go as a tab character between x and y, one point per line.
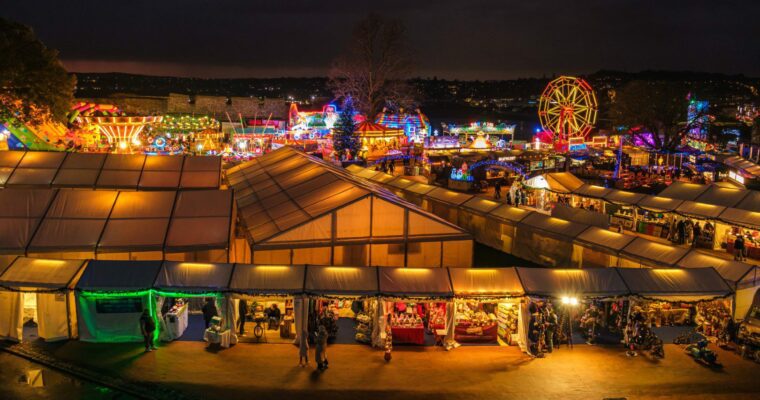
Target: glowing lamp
572	301
123	145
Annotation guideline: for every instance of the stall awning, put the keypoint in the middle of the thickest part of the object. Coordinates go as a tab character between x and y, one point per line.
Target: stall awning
675	284
739	217
751	202
654	253
337	281
193	277
700	210
683	191
270	280
485	282
39	273
201	219
722	196
659	204
20	214
580	215
36	168
623	197
563	182
111	275
415	282
734	272
560	227
448	196
594	191
480	205
605	238
590	282
400	183
510	214
420	188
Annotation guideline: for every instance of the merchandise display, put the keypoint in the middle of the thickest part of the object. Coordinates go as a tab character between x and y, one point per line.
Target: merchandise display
175	321
654	224
475	322
507	318
713	319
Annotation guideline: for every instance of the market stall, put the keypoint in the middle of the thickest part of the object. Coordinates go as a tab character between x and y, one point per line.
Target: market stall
183	289
111	296
547	189
348	294
590	197
501	226
547	240
722	196
35	291
257	291
654	215
620	206
473	216
487	306
684	191
445	203
647	253
698	217
415	193
417	306
600	247
733	222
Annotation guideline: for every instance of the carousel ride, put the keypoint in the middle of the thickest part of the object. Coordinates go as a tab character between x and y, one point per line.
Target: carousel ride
567	110
123	133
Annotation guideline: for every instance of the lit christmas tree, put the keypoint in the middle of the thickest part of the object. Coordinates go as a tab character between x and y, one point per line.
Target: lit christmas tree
345	140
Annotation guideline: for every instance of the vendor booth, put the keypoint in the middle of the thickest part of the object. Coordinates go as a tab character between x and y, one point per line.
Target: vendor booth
547	240
417	306
37	292
733	222
111	297
183	291
268	302
683	191
647	253
655	215
620	206
416	193
590	197
487	306
445	203
599	247
692	214
547	189
343	299
501	226
473	217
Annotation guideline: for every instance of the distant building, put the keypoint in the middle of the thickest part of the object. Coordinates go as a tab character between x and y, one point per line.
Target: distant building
415	125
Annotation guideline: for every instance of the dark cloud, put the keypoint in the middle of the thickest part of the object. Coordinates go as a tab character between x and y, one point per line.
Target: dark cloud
472	39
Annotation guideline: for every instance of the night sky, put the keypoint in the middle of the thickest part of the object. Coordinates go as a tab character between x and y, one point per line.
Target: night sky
467	39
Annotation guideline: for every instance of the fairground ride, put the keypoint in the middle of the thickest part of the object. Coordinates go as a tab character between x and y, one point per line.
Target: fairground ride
567	109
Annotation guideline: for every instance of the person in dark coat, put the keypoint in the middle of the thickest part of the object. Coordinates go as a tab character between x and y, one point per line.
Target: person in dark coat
739	248
209	311
242	314
497	189
147	327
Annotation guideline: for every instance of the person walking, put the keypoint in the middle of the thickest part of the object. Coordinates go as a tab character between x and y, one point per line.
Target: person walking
147	327
497	189
508	195
739	247
321	348
696	231
242	314
209	311
392	166
551	326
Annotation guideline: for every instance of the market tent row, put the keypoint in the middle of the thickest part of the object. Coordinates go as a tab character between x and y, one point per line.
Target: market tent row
146	225
39	169
44	286
542	239
296	209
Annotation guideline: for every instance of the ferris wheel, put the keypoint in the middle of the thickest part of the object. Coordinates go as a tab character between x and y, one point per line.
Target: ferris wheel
567	108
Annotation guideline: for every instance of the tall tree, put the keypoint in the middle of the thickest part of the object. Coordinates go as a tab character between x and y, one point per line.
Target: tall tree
345	139
656	107
34	86
374	69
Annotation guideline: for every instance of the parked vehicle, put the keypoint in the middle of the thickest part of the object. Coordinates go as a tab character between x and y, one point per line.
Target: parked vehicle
702	354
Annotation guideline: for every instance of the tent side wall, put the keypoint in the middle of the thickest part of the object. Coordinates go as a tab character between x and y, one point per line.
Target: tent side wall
592	257
112	318
542	248
11	315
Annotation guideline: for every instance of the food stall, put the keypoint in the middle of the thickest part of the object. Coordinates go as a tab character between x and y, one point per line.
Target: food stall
654	215
40	290
600	247
547	240
501	226
180	283
647	253
258	287
487	306
417	306
111	296
351	291
545	190
620	206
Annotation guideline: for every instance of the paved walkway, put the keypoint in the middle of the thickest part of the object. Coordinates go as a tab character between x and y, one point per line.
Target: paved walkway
358	372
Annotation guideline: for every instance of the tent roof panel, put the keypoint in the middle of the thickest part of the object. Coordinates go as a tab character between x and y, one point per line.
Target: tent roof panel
42	159
605	238
67	235
700	209
202	163
84	161
581	215
200	179
352	281
741	217
74	204
163	163
40	273
25	203
594	191
76	178
654	252
159	179
732	271
564	182
722	196
268	279
509	213
132	162
10	159
134	234
485	282
751	202
675	282
15	234
683	191
557	226
420	188
32	177
143	205
448	196
589	282
624	197
659	204
415	282
203	203
400	183
108	275
193	276
118	179
481	205
198	233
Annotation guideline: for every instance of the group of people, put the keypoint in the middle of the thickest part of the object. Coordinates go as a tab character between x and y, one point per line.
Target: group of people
686	232
543	329
386	166
516	197
320	349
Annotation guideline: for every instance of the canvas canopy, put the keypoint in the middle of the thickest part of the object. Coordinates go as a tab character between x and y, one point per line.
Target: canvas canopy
590	282
651	253
193	277
480	205
735	273
112	275
41	274
675	284
36	169
420	188
20	215
263	280
744	165
341	281
594	191
623	197
400	183
80	170
448	196
201	219
510	214
562	182
415	282
580	215
751	202
736	216
699	210
659	203
485	282
722	196
605	239
683	191
559	227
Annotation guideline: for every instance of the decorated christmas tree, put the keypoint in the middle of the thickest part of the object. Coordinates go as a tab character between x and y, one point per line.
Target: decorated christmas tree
345	140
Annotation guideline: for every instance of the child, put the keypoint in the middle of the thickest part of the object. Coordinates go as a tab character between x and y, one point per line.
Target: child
303	350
